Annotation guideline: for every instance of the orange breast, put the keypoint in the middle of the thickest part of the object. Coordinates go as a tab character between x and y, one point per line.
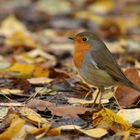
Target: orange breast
79	51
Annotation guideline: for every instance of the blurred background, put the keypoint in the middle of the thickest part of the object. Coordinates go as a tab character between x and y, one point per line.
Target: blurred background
48	23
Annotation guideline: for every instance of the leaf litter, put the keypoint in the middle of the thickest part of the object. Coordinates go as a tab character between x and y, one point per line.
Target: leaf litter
41	95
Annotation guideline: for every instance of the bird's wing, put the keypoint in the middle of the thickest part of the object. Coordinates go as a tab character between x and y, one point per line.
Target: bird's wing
105	61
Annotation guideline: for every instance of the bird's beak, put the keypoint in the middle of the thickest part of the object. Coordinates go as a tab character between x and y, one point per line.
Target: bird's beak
72	38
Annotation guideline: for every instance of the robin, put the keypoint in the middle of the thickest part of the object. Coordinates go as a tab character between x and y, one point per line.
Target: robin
95	63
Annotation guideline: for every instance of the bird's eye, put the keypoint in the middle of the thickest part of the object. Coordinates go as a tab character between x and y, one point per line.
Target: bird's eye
84	39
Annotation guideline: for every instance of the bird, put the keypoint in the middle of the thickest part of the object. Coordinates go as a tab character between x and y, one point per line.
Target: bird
96	64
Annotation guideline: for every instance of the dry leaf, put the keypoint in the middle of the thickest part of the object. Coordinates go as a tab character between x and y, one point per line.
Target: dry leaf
22	70
20	39
54	132
11	25
102	6
40	132
109	120
127	114
125	95
11	91
69	127
12	104
15	126
41	80
94	133
3	112
32	116
39	104
84	102
68	111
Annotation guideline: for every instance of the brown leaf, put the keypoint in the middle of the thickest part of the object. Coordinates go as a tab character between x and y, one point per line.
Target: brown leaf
125	95
56	73
39	104
68	111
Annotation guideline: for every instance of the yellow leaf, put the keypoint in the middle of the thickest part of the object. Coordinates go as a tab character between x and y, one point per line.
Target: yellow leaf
10	25
107	113
11	91
40	72
95	132
54	132
39	132
33	117
102	6
20	39
21	70
16	125
110	120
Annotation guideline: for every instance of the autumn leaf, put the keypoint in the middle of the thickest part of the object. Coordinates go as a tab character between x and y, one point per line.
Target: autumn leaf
109	120
20	39
38	104
127	96
72	111
95	132
15	126
11	25
127	114
32	116
22	70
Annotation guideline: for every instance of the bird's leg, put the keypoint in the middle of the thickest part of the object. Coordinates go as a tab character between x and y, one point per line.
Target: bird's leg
96	97
101	94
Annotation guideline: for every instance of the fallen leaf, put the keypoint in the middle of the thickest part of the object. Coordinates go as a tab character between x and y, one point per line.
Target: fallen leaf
102	7
21	70
3	112
94	133
20	39
11	25
127	96
40	132
109	120
69	127
127	114
84	102
24	131
32	116
12	104
54	132
38	104
68	111
11	91
15	126
38	52
40	80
